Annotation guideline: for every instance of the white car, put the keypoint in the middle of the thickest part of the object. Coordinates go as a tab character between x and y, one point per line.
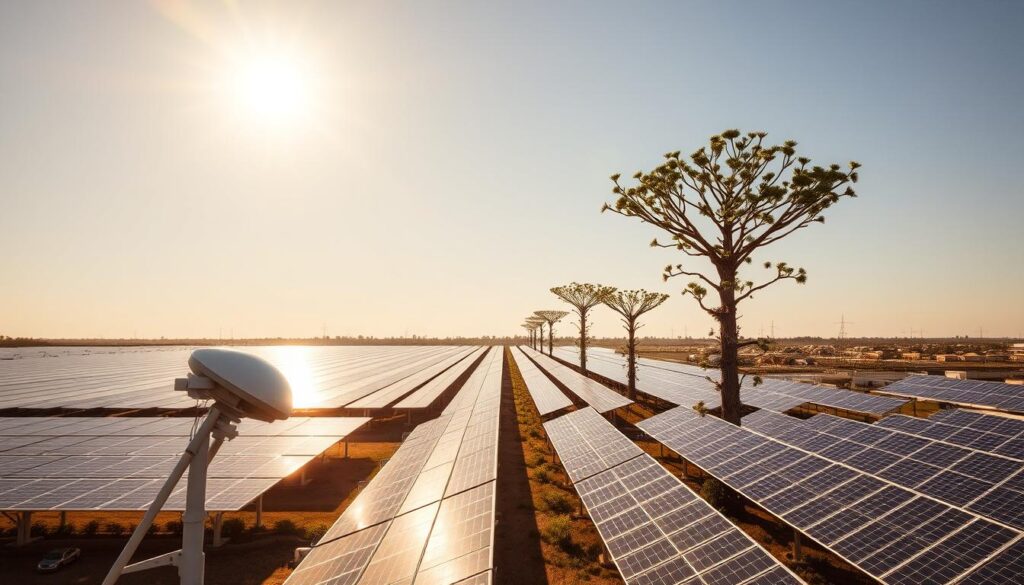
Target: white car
57	558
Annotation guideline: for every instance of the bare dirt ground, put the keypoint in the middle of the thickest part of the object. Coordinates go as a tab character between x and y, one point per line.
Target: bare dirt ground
554	507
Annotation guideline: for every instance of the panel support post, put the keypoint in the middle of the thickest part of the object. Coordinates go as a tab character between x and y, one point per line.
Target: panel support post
259	511
798	553
63	519
218	524
346	449
24	528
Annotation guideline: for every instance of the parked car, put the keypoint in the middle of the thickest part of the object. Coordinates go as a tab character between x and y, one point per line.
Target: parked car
57	558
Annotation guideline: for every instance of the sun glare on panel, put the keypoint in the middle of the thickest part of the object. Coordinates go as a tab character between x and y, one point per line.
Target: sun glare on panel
294	364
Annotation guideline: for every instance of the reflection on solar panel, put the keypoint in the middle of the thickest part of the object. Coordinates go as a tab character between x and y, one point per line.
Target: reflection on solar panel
134	378
546	396
429	393
991	486
398	390
686	385
103	463
655	528
598	396
980	393
893	533
428	516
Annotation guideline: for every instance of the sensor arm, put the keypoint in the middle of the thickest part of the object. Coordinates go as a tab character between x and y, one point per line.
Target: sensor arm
201	435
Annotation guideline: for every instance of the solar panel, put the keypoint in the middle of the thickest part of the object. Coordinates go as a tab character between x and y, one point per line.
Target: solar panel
880	527
134	378
91	470
976	393
656	530
546	396
429	513
598	396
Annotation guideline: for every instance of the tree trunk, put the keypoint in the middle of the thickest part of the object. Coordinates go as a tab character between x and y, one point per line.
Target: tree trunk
729	331
583	340
551	339
631	360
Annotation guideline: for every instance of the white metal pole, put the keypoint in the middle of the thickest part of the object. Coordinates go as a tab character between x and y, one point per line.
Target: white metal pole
147	520
193	559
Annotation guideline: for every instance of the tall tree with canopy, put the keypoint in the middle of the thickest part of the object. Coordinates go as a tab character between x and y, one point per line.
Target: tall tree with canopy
538	324
631	305
583	297
724	203
550	317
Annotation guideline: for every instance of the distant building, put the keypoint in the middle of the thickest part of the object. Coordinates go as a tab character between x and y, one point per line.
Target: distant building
948	357
911	355
1017	352
973	357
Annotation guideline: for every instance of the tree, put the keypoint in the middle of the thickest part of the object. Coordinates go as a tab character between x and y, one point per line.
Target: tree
550	317
631	305
529	331
583	297
538	324
723	203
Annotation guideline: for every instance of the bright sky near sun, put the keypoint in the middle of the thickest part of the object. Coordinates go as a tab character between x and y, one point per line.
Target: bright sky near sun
381	168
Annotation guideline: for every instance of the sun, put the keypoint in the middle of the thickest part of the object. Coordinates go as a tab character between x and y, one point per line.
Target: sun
272	88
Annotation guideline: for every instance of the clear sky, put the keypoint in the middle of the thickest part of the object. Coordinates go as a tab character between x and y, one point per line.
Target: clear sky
185	169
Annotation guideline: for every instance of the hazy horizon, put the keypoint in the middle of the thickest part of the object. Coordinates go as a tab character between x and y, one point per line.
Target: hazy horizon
444	164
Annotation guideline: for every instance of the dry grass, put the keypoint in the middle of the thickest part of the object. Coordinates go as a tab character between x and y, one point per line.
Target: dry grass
577	559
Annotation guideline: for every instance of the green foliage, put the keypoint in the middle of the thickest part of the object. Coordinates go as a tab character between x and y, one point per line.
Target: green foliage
174	527
38	529
535	460
556	501
317	532
67	529
558	532
232	527
91	528
115	528
714	493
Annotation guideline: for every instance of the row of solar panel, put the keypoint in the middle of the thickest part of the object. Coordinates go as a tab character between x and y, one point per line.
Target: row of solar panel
892	533
995	395
596	395
684	385
1000	440
546	396
323	377
988	485
39	469
427	517
656	530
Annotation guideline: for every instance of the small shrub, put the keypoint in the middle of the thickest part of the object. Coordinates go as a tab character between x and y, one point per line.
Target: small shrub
38	529
317	532
114	528
558	531
535	433
714	492
232	527
535	460
151	530
555	501
67	529
174	527
542	476
286	527
91	528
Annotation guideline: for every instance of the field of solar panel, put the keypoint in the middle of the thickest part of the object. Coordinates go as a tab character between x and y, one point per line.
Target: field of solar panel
474	465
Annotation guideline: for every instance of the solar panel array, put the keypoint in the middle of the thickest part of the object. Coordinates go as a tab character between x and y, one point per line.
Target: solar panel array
686	385
600	397
321	377
546	396
656	530
428	394
428	516
988	485
985	394
106	463
895	534
984	432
